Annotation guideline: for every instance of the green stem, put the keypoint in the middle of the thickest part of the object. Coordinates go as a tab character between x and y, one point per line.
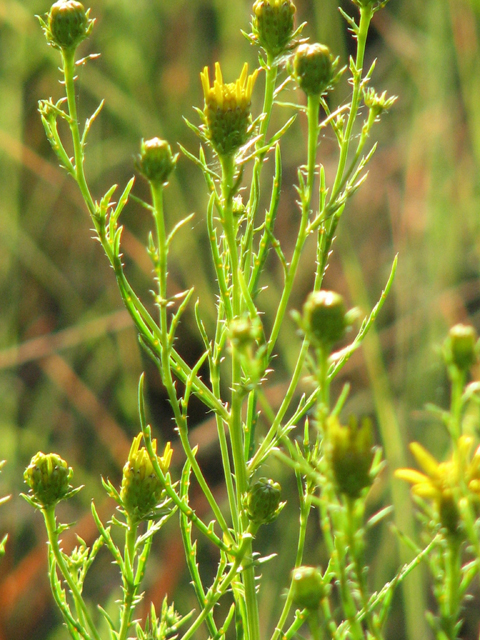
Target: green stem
235	422
130	585
82	611
306	198
452	588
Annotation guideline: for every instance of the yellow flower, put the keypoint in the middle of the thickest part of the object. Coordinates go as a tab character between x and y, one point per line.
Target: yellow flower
441	481
227	109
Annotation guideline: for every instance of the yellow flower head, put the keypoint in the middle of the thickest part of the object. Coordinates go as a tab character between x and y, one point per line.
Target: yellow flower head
142	489
441	480
227	109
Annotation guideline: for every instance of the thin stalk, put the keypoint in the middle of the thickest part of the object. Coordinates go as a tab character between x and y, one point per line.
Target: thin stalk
306	198
235	422
130	585
82	611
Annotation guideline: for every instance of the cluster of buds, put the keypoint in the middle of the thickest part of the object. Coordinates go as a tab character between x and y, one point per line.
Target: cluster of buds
142	490
263	501
314	68
308	589
461	347
273	25
48	477
325	318
227	114
350	454
156	160
245	337
67	25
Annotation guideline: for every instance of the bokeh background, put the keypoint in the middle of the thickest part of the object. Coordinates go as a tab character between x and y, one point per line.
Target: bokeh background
69	357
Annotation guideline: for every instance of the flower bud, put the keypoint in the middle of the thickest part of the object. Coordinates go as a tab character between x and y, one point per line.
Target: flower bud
68	24
350	453
460	347
308	589
263	501
324	318
48	477
227	110
142	489
313	68
156	161
273	25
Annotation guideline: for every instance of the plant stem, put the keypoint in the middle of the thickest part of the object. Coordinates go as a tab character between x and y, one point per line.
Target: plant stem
82	611
130	584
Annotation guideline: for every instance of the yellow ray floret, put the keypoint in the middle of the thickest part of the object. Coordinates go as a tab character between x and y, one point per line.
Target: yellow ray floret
232	95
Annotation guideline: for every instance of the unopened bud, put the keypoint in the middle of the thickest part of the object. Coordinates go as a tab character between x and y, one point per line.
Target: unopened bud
313	68
48	477
263	501
460	346
156	161
273	25
67	24
324	318
308	589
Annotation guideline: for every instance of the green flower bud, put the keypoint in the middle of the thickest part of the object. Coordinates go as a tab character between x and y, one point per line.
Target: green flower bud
227	110
156	161
273	25
48	477
67	24
308	589
350	453
244	333
313	68
324	318
448	512
141	490
263	501
460	347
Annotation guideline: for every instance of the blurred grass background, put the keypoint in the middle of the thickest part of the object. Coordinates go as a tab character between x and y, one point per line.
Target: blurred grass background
69	359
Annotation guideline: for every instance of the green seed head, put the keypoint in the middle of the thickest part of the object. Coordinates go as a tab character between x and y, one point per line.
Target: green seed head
460	347
324	318
48	477
313	68
273	25
156	161
142	489
350	454
67	24
308	589
263	501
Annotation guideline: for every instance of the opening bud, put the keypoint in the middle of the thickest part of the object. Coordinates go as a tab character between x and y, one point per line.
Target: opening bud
460	348
156	161
350	453
141	490
273	25
324	318
67	24
308	589
263	501
48	477
314	68
227	110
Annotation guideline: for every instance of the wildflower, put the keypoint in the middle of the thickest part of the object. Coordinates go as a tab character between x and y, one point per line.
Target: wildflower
67	24
441	481
350	453
313	68
263	501
308	589
227	109
142	489
460	347
324	318
156	161
378	103
48	477
273	25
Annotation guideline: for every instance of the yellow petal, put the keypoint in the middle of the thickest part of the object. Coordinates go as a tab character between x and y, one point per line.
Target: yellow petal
425	459
412	476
